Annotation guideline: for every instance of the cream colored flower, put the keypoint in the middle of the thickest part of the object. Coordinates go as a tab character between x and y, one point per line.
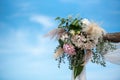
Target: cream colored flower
72	32
85	22
64	37
93	30
78	40
78	32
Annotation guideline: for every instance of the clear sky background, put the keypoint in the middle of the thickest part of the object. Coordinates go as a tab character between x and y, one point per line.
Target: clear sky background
26	55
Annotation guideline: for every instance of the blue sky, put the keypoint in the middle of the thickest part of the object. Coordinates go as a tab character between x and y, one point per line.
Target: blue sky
26	55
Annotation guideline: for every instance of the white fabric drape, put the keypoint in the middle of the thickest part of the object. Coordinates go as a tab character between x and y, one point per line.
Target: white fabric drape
114	56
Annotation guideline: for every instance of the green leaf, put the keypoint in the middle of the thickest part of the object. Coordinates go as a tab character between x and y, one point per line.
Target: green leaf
74	22
57	18
63	20
61	42
78	70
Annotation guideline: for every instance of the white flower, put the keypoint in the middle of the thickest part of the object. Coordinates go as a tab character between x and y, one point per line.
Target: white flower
94	31
78	40
85	22
69	16
64	37
72	32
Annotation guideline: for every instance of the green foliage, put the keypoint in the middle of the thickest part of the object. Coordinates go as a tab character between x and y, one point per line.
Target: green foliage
61	42
101	49
69	23
76	61
98	59
77	70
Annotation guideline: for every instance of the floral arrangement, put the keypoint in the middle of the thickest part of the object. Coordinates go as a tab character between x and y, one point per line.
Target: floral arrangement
80	40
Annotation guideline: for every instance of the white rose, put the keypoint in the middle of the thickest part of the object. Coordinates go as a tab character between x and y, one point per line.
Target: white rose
85	22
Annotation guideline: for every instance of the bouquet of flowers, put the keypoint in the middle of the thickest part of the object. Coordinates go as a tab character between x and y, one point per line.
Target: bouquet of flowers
80	40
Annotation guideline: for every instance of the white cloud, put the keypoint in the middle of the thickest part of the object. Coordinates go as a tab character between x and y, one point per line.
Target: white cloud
45	21
18	41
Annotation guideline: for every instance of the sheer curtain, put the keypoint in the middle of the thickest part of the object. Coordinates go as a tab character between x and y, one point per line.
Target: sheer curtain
113	57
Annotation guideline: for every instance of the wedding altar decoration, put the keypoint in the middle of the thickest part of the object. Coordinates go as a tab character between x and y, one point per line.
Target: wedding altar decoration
80	40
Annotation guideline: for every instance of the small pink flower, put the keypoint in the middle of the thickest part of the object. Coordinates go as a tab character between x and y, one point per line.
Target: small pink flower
69	49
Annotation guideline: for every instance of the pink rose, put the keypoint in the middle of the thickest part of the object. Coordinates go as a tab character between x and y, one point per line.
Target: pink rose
69	49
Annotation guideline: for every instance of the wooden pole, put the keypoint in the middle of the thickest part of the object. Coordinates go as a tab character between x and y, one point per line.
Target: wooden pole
112	37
